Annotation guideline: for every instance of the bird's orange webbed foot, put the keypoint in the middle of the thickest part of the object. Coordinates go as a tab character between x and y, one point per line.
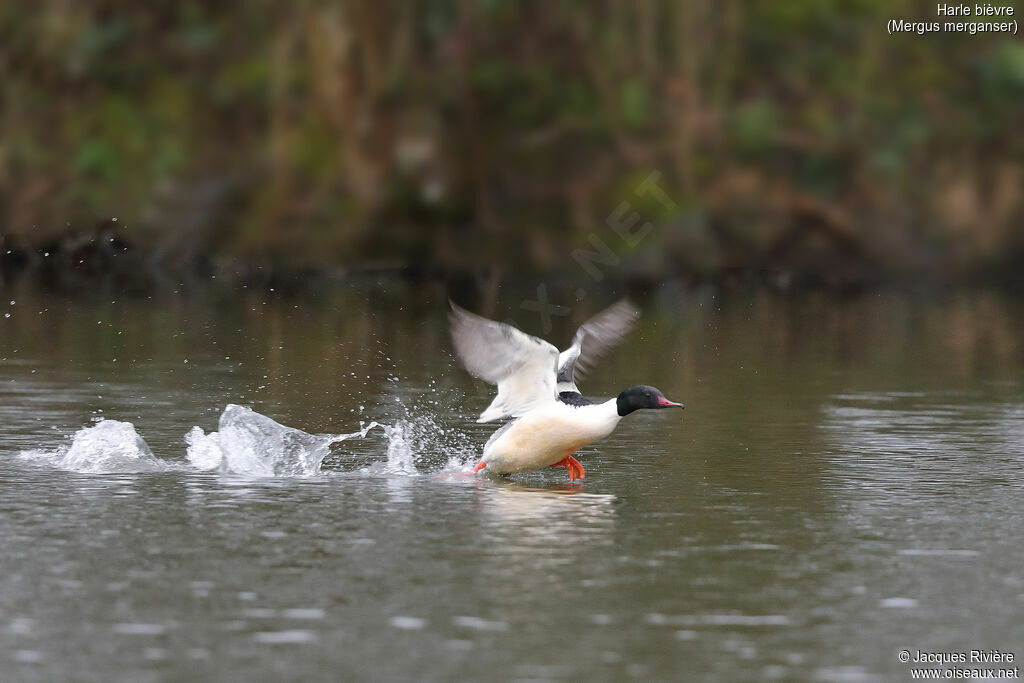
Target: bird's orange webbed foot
479	466
573	465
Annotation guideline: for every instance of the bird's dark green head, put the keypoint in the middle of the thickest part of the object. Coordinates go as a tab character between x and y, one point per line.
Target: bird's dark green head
640	397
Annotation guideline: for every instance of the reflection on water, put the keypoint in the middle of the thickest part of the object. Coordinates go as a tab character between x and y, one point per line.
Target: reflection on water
845	482
527	529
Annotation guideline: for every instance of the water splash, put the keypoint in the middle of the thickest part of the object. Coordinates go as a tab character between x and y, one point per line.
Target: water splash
427	436
107	446
400	453
417	444
253	444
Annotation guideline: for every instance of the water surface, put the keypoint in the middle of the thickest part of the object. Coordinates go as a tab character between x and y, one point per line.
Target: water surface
844	483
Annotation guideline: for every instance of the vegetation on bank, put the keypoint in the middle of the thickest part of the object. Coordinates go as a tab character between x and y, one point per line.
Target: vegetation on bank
796	138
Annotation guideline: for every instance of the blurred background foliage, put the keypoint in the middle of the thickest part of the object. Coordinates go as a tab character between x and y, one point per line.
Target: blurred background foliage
796	139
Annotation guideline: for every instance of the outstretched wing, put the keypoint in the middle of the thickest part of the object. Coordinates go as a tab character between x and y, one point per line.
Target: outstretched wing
521	365
594	338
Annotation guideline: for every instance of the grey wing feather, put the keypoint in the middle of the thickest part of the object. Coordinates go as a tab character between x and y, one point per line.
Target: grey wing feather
595	338
522	366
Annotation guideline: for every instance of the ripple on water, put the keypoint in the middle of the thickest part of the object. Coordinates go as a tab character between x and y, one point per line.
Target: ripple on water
407	623
28	656
274	534
259	613
898	603
21	626
938	552
293	636
905	447
304	613
719	620
479	624
844	673
140	629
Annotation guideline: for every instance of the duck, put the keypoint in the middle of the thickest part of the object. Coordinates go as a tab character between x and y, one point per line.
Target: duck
549	418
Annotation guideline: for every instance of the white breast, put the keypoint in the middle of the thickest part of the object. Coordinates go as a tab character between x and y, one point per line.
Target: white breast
543	437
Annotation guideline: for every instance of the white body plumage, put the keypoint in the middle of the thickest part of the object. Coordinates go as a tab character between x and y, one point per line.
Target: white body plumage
544	436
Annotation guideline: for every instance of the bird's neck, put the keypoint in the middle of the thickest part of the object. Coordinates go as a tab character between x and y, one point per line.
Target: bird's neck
597	420
609	410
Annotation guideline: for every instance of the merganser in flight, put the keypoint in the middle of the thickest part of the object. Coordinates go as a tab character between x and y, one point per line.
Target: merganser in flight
537	388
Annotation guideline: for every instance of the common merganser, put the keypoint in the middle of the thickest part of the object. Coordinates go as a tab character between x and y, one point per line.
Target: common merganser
537	388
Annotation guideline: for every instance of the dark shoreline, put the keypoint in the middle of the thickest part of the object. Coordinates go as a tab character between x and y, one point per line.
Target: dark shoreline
104	262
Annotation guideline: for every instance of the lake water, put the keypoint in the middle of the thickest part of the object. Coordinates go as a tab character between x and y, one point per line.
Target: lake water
845	482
